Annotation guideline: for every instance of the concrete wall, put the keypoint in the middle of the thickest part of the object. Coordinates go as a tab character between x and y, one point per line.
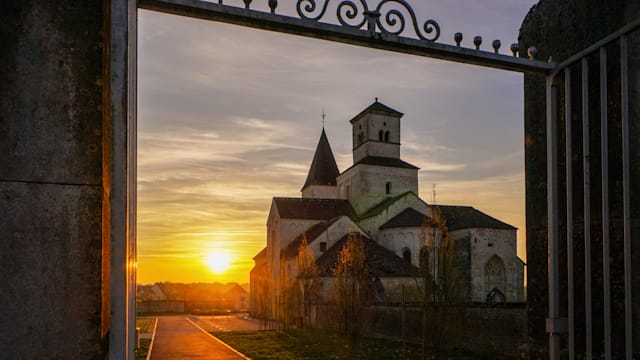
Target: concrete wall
53	301
560	29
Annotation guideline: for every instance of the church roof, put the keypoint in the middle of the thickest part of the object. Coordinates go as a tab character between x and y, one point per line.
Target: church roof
261	254
379	261
409	217
381	206
465	217
383	161
323	170
379	107
313	209
311	233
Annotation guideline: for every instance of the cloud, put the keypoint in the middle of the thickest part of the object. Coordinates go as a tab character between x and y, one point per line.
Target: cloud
229	117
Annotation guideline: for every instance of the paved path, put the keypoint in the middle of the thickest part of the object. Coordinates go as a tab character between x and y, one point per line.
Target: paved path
178	338
235	322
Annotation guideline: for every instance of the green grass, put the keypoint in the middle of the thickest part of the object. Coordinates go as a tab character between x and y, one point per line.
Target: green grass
145	324
141	352
314	345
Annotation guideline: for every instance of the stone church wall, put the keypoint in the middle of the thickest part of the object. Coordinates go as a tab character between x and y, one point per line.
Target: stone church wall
485	244
367	184
372	224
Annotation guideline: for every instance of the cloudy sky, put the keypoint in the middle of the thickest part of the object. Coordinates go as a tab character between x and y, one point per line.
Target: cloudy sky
229	117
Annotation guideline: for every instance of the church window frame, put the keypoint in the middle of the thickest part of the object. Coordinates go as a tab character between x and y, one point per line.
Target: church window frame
406	255
495	274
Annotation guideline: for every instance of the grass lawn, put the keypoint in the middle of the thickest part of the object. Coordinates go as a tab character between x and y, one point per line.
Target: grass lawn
314	345
310	344
145	324
141	352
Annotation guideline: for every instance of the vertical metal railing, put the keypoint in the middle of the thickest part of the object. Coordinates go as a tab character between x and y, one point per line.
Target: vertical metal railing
557	325
626	191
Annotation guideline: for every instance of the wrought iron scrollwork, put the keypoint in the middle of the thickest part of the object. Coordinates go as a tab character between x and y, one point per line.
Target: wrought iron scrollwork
392	21
395	16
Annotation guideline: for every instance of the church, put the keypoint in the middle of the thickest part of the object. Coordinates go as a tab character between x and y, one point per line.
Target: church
378	199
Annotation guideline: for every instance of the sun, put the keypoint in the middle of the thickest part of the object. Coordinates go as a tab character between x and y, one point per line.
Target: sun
218	261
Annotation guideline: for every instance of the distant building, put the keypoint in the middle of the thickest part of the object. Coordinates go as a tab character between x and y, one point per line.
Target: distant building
377	197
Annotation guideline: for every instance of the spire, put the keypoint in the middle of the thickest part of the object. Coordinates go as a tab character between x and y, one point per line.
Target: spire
324	169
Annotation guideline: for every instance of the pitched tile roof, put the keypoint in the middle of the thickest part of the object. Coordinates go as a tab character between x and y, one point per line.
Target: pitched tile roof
456	217
323	170
409	217
312	233
464	217
379	261
377	209
313	209
377	106
383	161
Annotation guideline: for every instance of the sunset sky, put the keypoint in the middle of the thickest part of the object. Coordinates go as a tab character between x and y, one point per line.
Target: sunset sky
229	118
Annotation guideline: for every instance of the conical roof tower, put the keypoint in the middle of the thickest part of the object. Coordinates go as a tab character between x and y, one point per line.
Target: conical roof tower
321	180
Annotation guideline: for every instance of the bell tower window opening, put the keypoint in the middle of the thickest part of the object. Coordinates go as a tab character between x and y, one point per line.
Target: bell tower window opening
388	188
386	136
380	135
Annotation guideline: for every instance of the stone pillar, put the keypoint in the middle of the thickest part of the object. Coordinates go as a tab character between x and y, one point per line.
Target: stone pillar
55	177
560	28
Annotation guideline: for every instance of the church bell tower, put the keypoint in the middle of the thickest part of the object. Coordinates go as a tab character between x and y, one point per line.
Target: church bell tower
376	132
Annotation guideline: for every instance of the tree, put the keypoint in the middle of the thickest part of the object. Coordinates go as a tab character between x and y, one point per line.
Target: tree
442	283
351	283
307	275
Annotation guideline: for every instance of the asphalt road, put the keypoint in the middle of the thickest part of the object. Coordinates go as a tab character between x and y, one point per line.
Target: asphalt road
238	322
177	337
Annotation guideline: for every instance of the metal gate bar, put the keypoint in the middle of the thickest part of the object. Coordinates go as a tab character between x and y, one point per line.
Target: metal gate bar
626	192
554	327
556	324
586	164
369	36
604	150
569	175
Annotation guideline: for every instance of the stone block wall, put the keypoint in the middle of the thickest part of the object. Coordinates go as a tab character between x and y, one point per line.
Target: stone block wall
53	301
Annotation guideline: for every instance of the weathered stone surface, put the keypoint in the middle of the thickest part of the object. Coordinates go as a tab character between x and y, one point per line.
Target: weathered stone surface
51	68
560	29
50	271
51	93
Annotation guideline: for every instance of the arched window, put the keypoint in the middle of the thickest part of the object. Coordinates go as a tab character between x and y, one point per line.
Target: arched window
388	188
406	255
380	135
494	275
386	136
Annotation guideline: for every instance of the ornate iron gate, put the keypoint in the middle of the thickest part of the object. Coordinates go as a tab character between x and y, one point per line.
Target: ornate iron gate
386	27
598	53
